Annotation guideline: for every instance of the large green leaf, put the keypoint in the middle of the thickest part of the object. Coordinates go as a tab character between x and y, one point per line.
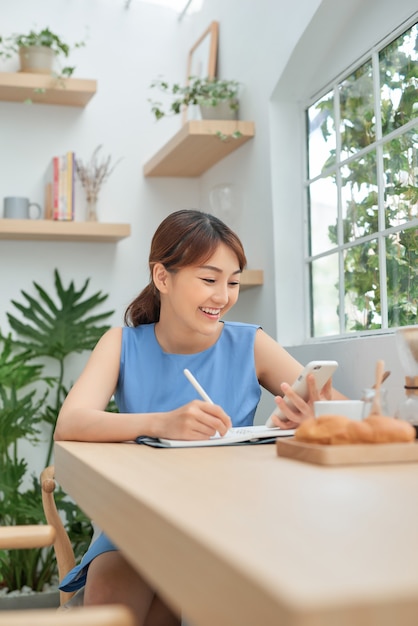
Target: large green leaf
49	326
14	370
57	330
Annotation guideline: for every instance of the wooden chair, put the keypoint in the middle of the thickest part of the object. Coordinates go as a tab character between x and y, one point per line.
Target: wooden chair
20	537
111	615
62	545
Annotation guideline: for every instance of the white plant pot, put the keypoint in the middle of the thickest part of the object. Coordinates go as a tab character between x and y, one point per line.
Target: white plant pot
36	59
221	111
40	600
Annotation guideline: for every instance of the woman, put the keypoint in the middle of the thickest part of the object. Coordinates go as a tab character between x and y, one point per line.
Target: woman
175	323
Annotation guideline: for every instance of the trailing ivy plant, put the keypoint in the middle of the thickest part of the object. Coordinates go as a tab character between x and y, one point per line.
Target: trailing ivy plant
205	92
10	46
208	92
50	328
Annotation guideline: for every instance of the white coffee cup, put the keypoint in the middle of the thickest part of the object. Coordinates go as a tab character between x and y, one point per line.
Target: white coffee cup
349	408
17	208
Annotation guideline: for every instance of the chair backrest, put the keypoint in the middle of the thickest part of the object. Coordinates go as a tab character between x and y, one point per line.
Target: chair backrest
62	545
23	537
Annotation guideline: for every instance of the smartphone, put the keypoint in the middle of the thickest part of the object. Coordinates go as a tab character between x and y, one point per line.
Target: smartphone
322	371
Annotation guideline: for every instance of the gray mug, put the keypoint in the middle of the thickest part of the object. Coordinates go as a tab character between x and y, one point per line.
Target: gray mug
17	208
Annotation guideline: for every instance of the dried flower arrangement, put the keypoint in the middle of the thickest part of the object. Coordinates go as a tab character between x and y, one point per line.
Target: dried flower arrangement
92	175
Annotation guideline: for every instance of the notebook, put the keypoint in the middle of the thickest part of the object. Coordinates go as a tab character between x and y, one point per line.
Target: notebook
234	436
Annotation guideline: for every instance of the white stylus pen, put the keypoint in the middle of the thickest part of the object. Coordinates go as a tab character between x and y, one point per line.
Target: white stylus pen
197	386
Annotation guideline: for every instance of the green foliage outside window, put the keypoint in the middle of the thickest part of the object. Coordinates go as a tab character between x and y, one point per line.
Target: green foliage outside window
366	152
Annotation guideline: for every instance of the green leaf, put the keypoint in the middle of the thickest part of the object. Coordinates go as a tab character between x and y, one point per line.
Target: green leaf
49	326
57	330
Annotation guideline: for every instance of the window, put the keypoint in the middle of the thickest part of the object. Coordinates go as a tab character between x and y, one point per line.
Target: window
362	194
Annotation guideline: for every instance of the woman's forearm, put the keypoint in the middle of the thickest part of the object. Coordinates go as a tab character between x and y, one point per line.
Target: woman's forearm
85	424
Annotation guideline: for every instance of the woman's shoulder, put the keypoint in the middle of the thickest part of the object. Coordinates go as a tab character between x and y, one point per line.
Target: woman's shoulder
141	335
141	329
112	334
239	333
111	337
240	326
109	343
124	338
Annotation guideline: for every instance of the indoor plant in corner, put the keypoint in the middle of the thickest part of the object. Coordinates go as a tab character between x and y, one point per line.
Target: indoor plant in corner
50	329
217	98
38	51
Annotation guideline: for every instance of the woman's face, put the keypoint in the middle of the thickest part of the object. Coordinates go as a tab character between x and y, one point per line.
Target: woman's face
198	296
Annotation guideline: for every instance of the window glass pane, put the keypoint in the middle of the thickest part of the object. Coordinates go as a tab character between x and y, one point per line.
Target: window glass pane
357	125
402	277
400	158
398	80
325	319
359	197
323	214
321	135
361	287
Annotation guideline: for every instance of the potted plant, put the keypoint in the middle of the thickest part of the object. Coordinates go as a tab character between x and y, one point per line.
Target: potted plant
38	51
216	97
50	329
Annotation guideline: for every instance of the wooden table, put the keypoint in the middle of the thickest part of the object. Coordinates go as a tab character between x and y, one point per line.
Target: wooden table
239	536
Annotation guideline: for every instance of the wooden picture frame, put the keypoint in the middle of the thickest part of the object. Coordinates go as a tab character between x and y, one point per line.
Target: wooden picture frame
203	56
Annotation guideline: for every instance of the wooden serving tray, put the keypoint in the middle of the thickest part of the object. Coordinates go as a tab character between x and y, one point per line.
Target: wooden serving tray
356	454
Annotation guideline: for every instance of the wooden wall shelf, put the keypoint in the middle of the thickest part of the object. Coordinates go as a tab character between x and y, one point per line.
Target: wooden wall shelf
196	147
251	278
50	230
20	86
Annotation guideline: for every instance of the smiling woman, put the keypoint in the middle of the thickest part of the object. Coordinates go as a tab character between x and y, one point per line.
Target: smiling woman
174	324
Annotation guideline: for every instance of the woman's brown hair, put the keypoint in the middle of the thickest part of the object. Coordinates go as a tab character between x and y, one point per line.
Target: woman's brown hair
184	238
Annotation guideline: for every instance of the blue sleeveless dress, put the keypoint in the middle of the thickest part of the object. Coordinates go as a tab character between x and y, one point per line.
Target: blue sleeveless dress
151	380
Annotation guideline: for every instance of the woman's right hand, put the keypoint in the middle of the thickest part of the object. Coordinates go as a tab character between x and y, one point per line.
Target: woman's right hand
196	420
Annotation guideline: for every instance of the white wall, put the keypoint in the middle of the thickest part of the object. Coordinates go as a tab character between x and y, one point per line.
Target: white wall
125	50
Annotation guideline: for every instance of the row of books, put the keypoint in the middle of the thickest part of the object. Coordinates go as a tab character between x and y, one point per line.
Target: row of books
59	188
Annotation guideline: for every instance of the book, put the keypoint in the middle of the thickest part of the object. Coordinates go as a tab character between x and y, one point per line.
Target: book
234	436
51	189
59	188
70	156
60	212
48	200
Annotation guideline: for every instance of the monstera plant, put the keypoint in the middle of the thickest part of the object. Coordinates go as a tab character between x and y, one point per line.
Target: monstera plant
49	330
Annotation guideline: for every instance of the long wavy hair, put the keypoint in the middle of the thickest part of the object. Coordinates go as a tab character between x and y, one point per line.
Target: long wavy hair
184	238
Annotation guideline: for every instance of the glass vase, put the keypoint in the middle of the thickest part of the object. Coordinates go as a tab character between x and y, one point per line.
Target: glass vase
368	397
91	212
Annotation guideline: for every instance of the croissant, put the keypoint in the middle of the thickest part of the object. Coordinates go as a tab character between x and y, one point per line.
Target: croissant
340	430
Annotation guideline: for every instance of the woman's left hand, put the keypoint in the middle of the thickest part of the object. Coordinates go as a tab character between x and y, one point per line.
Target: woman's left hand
300	409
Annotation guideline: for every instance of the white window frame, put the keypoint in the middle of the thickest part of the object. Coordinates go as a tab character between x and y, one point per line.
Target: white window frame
301	78
381	235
